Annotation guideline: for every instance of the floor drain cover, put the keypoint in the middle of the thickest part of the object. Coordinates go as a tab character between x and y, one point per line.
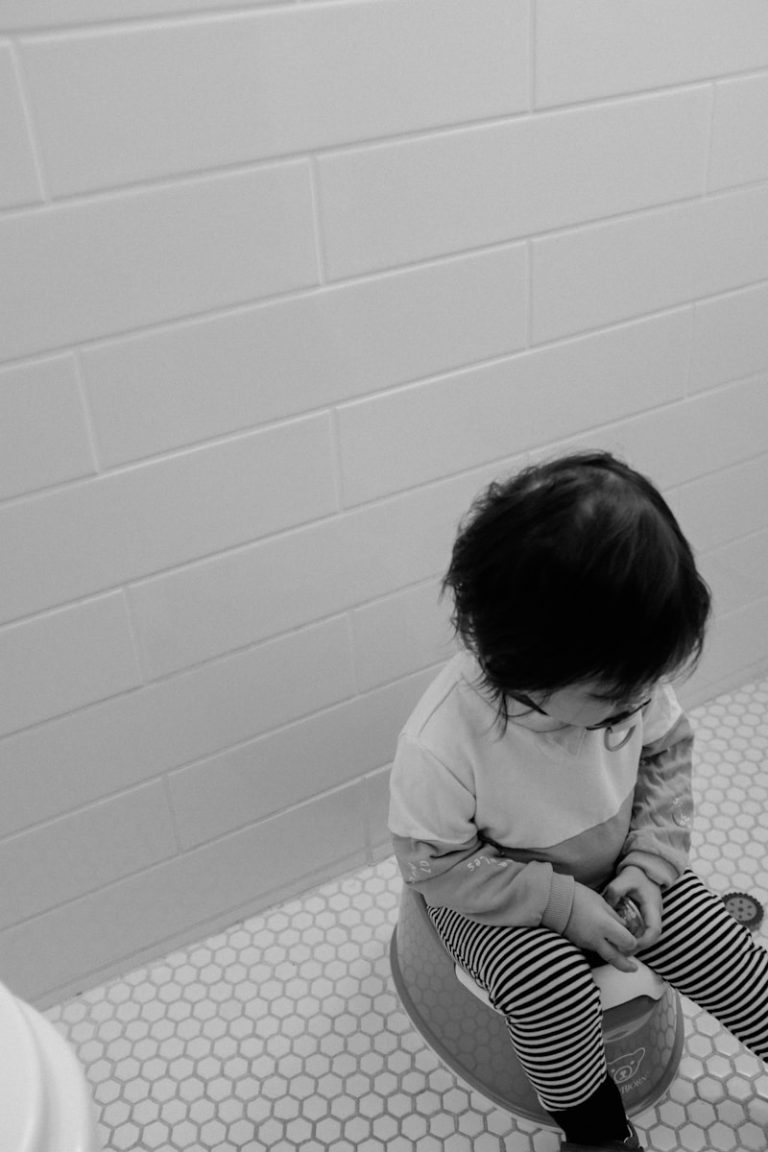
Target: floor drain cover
744	908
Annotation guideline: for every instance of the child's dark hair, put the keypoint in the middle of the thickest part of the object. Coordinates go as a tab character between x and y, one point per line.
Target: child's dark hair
576	570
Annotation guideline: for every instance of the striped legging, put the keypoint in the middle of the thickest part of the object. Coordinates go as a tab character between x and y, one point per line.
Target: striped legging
543	985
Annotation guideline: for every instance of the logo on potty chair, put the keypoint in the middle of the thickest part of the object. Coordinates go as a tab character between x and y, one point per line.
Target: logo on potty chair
624	1070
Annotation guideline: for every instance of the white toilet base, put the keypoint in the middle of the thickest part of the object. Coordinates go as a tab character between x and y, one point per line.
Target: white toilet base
45	1104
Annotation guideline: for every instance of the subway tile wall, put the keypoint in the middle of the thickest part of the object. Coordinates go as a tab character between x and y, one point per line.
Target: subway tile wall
285	283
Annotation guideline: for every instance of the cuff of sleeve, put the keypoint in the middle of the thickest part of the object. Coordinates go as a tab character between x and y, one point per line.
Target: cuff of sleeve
660	871
558	910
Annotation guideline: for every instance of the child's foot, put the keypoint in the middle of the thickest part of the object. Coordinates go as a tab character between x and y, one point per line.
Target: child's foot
630	1144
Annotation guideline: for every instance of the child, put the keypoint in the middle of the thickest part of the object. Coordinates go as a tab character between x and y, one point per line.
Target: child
545	775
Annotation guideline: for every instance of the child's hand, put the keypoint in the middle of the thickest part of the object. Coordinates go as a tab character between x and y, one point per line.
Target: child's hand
594	926
634	883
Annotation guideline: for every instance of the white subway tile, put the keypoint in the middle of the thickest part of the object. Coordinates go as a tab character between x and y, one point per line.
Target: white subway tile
81	853
104	266
223	603
611	271
409	536
376	800
599	48
18	177
65	660
724	505
415	434
401	633
111	529
721	428
19	15
213	607
381	206
731	338
153	391
287	767
607	272
734	241
737	573
227	602
735	650
739	144
43	432
241	88
245	870
683	441
67	763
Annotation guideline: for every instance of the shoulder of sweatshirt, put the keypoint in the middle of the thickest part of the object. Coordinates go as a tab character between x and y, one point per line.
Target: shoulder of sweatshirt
453	700
661	718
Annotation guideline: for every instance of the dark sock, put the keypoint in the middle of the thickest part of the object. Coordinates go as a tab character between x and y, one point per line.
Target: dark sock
601	1117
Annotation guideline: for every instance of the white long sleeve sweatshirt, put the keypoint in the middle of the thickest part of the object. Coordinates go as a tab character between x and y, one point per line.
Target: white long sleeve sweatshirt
500	824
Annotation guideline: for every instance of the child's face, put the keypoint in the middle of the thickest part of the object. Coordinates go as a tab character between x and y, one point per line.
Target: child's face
590	705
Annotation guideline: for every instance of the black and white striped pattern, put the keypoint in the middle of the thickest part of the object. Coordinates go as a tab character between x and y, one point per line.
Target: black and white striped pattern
543	985
707	956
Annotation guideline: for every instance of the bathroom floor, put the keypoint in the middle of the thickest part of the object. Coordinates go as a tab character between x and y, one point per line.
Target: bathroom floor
285	1034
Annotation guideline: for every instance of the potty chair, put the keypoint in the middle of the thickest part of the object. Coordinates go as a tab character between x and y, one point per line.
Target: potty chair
643	1022
45	1105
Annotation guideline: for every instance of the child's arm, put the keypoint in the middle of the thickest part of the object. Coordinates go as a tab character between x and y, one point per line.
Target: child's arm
474	879
441	854
660	833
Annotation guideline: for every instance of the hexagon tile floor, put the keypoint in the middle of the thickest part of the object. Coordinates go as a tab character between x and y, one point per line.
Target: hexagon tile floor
285	1034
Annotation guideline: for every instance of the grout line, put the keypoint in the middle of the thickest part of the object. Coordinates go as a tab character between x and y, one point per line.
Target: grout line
166	769
34	144
343	512
164	17
287	418
338	463
710	140
692	330
529	315
532	27
90	426
314	184
352	652
219	170
144	676
419	264
166	782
